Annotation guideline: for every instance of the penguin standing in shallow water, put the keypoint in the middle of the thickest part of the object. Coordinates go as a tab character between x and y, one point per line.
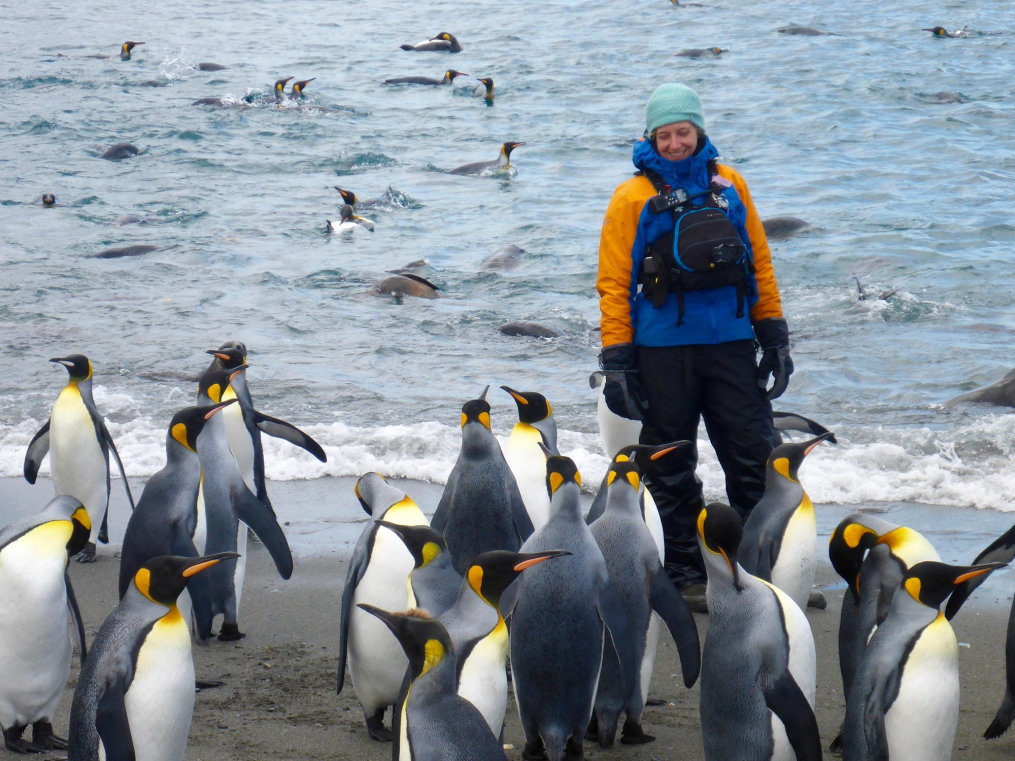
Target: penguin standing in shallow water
503	161
524	456
758	663
781	535
904	704
79	446
378	574
481	508
35	597
135	695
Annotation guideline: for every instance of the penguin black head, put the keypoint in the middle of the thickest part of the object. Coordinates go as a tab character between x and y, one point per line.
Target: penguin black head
532	407
345	212
721	530
78	366
488	82
280	87
930	583
81	533
508	147
847	548
624	471
215	382
477	411
786	459
347	195
560	471
451	74
188	423
48	199
645	455
231	357
424	639
164	578
937	31
491	573
298	87
422	542
717	51
128	46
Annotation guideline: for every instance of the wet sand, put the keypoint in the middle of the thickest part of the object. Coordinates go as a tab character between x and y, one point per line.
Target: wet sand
279	700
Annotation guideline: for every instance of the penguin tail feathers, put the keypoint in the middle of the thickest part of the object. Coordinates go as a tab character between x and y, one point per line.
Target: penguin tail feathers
408	47
607	729
1002	721
555	742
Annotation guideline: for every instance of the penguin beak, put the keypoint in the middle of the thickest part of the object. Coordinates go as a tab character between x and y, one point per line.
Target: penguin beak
539	558
670	448
978	570
220	355
65	362
517	397
814	442
208	415
237	371
482	396
546	452
207	561
734	569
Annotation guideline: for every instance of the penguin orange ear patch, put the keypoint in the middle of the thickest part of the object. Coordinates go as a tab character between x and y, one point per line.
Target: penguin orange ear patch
465	419
556	479
484	418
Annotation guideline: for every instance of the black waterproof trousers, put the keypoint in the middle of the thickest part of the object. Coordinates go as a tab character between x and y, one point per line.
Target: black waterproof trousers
719	383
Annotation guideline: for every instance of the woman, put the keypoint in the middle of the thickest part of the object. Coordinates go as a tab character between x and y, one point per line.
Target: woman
686	286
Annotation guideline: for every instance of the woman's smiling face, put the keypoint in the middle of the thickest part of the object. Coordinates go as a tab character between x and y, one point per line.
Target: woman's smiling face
676	141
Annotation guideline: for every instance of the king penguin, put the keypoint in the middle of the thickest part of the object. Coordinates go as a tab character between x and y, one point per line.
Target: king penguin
79	445
481	508
559	614
502	161
527	462
758	664
35	597
135	695
904	704
433	582
781	534
435	722
614	431
378	574
637	574
170	518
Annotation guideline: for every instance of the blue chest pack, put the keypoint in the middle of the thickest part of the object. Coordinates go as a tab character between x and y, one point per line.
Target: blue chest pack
703	252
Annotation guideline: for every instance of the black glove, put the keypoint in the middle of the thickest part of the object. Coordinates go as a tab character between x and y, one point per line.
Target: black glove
773	335
622	390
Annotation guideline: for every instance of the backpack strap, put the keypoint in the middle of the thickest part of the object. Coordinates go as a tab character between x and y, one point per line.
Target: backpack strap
656	179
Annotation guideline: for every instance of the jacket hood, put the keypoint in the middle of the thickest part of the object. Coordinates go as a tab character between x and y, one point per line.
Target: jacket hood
692	171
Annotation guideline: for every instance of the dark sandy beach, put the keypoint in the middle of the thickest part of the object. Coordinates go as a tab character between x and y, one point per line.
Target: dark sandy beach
279	701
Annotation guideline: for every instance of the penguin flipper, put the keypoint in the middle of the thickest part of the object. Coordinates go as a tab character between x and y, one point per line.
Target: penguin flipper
357	568
119	464
1002	550
508	598
440	516
112	724
280	429
669	604
37	450
786	700
598	504
262	521
611	610
396	714
790	421
79	626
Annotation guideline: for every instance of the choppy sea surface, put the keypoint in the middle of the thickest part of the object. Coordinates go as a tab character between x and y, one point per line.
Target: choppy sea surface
904	192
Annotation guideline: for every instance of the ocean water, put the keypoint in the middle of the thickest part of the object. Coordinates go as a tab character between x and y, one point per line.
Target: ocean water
844	131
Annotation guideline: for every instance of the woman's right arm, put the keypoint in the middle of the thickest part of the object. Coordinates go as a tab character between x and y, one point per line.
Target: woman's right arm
616	264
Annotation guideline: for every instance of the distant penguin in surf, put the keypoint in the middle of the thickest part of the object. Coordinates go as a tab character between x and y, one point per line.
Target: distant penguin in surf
349	221
501	162
486	91
700	53
802	31
298	87
279	88
447	79
524	455
125	50
784	227
941	33
443	42
48	200
120	151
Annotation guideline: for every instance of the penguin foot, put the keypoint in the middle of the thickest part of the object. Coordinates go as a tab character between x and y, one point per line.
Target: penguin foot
42	736
534	751
633	734
204	684
87	555
14	743
655	702
574	751
230	633
376	728
816	599
836	746
592	731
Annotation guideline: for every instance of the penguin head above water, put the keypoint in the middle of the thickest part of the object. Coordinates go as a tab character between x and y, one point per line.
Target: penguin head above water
126	47
937	31
848	546
720	530
508	147
346	213
646	455
163	579
78	366
488	83
298	87
930	583
231	357
453	44
280	87
215	382
451	74
424	639
48	199
188	423
423	543
786	459
491	573
347	195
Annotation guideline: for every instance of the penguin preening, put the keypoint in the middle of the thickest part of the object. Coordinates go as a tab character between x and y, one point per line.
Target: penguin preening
435	722
447	79
378	574
758	663
79	446
904	704
135	695
502	161
481	508
36	598
524	456
443	42
349	221
781	535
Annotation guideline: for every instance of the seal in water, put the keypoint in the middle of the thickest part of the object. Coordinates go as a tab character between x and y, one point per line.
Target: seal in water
530	329
128	219
1001	393
211	67
505	258
406	284
802	31
783	227
120	151
123	251
48	199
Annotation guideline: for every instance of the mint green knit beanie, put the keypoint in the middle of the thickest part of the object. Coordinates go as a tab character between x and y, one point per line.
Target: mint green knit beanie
673	102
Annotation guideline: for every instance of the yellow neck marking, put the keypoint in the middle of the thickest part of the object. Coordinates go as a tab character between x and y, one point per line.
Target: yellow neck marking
782	468
430	551
433	654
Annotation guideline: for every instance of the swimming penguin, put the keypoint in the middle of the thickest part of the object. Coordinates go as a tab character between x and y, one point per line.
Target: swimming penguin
790	421
872	556
758	664
230	502
449	78
378	574
700	53
406	284
443	42
79	446
135	695
349	221
170	518
124	53
120	151
122	252
801	31
637	574
941	33
487	90
904	704
279	88
784	227
48	200
535	426
503	161
297	90
559	614
433	581
529	329
481	508
781	535
211	67
435	722
35	598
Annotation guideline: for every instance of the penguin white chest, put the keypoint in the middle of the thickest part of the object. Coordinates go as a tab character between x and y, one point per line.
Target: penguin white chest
921	723
77	463
240	443
484	679
793	571
160	699
201	527
528	464
802	665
